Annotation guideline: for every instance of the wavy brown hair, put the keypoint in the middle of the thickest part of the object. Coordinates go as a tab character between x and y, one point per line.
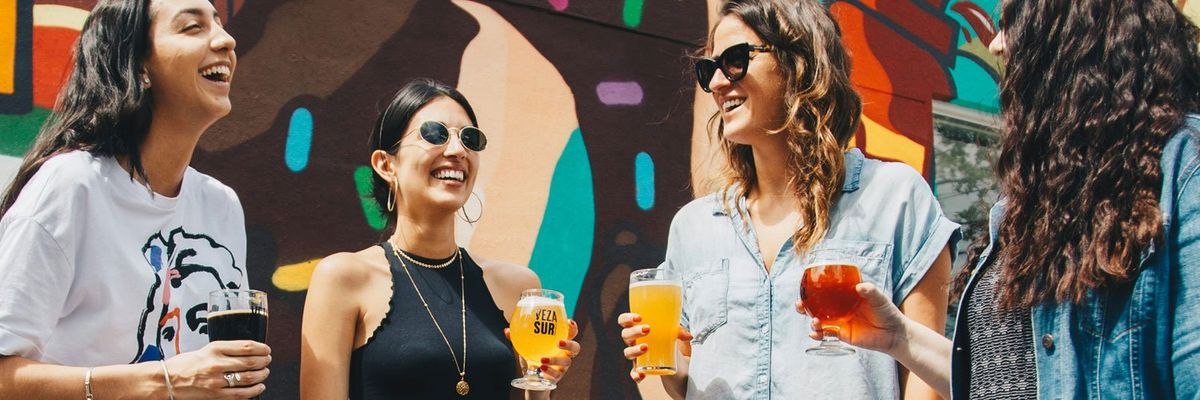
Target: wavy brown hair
1092	92
822	107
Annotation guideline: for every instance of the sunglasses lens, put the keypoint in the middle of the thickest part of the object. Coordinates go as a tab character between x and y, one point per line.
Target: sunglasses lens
704	73
434	133
734	61
473	138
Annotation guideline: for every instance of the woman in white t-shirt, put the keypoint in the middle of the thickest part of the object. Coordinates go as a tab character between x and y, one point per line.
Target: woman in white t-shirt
110	242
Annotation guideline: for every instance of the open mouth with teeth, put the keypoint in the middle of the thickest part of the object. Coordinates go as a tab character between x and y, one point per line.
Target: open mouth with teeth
447	174
731	104
216	73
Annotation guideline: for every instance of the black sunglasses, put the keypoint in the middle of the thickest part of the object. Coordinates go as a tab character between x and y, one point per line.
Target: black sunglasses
438	134
733	62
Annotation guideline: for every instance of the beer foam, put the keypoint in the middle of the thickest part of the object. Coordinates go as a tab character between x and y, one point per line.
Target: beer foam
535	301
221	313
655	283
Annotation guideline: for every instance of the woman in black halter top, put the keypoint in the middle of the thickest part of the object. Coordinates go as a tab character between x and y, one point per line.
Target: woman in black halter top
416	316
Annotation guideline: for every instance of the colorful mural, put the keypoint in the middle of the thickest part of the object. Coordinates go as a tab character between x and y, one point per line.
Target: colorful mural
596	128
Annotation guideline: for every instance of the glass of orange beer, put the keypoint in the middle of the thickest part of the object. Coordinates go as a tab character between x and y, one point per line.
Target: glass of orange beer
827	290
657	295
537	326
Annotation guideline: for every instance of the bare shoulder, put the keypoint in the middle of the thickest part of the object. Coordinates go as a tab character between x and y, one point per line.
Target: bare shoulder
509	276
348	271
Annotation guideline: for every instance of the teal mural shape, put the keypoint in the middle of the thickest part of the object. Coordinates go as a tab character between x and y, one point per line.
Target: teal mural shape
562	253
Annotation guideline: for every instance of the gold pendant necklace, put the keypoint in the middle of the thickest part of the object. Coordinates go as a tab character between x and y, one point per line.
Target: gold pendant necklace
462	388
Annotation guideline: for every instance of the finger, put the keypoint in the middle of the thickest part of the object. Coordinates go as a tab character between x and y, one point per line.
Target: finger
875	297
574	329
685	348
557	361
249	363
507	334
243	392
553	373
633	352
632	333
800	307
251	378
571	347
628	319
685	336
240	348
636	376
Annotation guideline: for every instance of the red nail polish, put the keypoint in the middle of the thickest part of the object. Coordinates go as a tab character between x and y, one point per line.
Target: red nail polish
562	343
545	368
545	360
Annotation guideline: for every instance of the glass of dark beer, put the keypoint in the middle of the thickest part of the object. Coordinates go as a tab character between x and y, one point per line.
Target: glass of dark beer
236	314
828	293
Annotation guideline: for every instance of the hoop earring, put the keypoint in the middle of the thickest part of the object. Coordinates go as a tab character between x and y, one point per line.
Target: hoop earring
391	201
463	211
145	82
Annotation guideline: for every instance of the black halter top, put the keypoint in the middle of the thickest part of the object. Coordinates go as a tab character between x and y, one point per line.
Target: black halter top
406	358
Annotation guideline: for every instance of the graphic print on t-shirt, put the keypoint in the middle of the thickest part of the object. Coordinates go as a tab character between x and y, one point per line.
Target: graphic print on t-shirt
175	314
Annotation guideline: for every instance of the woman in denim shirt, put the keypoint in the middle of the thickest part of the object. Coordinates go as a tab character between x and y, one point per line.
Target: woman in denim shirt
780	76
1092	270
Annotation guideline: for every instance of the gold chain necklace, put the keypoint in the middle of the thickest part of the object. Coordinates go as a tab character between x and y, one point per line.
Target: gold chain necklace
462	388
421	264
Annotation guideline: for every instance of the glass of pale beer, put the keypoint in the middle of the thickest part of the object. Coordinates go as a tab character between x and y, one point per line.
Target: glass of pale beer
537	326
657	295
827	290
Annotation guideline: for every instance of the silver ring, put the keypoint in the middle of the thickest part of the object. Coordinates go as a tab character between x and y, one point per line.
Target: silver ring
231	379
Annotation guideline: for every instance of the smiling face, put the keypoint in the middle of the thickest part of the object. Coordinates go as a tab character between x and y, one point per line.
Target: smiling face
437	176
191	60
754	105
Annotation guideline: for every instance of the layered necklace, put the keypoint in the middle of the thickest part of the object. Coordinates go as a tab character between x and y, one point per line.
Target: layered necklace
462	388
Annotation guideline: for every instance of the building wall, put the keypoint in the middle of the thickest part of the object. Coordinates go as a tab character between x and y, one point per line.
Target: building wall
596	128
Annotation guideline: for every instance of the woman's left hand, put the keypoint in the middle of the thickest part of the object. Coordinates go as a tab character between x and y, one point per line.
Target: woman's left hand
553	368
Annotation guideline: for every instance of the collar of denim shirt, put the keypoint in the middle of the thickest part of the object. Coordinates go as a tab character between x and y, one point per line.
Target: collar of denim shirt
854	165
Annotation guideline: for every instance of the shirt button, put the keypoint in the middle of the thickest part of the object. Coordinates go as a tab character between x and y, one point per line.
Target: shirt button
1048	341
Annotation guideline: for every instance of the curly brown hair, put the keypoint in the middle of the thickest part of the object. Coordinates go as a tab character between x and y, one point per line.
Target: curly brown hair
1092	92
822	108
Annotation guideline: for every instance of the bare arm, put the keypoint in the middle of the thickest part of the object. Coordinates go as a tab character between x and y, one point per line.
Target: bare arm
926	305
327	333
30	380
194	375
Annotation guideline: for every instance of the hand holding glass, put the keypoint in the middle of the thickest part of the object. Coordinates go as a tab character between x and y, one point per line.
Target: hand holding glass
537	326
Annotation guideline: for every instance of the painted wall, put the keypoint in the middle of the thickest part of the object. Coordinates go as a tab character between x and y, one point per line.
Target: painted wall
595	127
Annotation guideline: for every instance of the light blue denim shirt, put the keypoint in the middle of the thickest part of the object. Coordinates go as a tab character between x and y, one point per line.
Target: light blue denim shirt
749	340
1139	341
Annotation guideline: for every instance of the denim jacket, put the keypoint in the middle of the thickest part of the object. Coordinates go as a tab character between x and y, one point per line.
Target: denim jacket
749	340
1137	341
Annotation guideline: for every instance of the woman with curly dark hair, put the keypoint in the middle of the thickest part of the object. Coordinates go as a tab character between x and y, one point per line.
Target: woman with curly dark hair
1090	284
795	194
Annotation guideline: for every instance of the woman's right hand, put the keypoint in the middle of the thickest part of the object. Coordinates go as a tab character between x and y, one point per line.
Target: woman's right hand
200	374
631	330
877	323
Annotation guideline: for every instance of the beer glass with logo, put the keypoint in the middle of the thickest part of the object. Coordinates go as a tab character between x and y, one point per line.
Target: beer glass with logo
236	314
537	326
657	295
827	290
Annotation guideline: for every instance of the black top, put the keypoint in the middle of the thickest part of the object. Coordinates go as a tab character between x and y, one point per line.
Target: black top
407	358
1000	344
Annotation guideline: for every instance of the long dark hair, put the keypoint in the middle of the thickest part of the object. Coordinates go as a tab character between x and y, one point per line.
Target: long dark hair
823	109
1092	92
389	127
102	108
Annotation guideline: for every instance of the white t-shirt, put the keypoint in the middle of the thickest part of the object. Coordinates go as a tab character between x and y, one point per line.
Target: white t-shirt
95	270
